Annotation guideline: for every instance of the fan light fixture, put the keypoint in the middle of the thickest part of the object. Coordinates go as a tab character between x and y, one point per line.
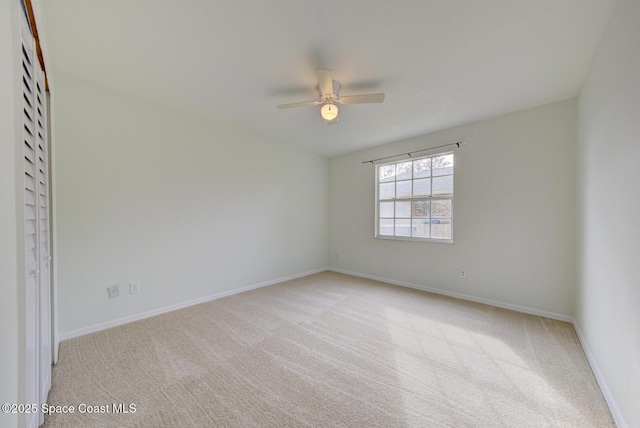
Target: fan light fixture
329	111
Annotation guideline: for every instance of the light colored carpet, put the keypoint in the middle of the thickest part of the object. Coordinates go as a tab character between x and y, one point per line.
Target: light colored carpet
331	350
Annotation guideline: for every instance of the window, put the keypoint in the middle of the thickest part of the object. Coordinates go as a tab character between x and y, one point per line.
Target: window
414	199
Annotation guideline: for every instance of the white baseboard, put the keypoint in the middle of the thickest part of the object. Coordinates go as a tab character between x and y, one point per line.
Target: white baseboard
125	320
517	308
611	402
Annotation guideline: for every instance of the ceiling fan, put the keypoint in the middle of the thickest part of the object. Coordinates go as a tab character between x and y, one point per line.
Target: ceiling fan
329	92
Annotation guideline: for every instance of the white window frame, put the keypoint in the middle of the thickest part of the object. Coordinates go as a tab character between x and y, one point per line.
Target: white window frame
412	198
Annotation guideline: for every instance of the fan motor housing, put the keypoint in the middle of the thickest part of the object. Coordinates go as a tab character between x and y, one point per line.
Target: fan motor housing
330	97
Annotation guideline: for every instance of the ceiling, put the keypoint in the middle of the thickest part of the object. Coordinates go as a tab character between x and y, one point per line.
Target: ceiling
440	62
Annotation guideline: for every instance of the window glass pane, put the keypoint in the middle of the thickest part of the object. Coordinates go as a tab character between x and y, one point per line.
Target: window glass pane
403	209
387	191
420	208
415	198
443	165
443	185
441	229
420	229
403	189
403	171
386	172
386	209
422	168
403	227
422	187
386	227
441	208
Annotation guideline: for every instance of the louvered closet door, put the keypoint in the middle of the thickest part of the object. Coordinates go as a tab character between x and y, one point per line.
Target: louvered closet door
36	226
31	228
44	287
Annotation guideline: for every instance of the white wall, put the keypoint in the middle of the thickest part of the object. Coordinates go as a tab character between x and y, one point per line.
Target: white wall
11	259
608	292
188	208
514	208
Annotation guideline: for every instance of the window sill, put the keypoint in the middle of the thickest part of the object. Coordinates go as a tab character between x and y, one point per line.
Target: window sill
407	238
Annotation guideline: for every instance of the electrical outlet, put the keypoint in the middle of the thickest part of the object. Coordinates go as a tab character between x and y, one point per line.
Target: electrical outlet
337	255
463	273
114	291
134	287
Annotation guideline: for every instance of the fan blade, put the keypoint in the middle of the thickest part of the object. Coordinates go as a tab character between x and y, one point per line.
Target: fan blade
362	99
292	105
325	81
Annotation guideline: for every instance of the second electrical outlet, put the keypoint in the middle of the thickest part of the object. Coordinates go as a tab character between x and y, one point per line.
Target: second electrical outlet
134	287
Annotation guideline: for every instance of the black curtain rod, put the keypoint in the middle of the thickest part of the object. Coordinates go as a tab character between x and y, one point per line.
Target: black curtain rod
458	144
